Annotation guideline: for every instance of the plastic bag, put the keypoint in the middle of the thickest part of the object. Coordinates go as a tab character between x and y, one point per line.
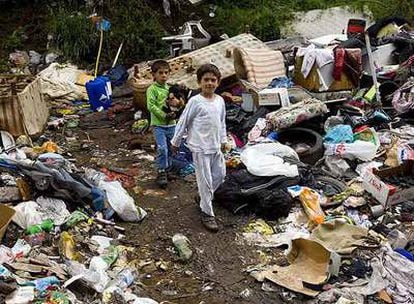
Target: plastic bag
51	208
403	99
266	160
26	214
118	197
311	202
122	202
362	150
364	147
339	134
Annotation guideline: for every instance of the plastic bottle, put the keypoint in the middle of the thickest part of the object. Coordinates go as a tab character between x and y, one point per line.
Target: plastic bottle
182	245
310	200
118	285
46	226
125	278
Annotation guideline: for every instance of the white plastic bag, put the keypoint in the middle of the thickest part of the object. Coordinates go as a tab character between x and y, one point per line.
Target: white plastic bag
27	214
117	196
134	299
33	213
363	150
122	202
52	208
266	160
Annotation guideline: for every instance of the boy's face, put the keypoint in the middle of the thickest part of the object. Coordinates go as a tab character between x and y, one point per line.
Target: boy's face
208	83
161	76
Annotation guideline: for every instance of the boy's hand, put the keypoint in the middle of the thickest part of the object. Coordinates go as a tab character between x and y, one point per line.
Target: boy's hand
170	116
223	148
174	149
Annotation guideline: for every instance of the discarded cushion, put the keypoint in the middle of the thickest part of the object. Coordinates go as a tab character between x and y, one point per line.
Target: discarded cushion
258	66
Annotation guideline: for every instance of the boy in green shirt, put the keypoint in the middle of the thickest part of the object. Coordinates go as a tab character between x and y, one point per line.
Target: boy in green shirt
163	123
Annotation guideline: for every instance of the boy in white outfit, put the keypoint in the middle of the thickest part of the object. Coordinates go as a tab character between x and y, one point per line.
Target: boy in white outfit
203	120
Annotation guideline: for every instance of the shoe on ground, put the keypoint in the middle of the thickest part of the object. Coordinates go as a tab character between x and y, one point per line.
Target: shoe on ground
209	222
162	180
171	175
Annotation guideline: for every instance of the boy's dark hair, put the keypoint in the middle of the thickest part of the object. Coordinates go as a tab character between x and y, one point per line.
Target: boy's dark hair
208	68
159	64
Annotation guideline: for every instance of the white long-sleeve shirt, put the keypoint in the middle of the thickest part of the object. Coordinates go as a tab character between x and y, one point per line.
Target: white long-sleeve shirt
204	121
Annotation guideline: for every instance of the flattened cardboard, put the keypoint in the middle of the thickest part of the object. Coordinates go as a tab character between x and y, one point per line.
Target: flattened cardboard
6	214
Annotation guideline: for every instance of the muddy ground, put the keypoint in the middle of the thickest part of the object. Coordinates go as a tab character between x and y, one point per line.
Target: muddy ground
216	273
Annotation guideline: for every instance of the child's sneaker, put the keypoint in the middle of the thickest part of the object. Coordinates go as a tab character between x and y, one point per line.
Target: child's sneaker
162	180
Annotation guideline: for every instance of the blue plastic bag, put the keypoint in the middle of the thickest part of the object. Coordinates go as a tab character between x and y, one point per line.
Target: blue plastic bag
339	134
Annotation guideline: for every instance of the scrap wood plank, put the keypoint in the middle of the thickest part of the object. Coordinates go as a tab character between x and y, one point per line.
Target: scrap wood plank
27	267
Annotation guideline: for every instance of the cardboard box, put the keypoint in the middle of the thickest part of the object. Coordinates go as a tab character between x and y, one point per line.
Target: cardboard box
248	104
386	194
274	97
6	215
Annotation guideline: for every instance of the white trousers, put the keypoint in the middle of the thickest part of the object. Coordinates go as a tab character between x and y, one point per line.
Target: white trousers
210	171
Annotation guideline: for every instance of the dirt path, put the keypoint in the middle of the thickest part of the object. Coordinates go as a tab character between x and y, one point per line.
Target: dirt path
215	274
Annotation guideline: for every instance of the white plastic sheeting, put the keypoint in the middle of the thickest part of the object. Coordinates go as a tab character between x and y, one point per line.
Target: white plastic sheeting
266	160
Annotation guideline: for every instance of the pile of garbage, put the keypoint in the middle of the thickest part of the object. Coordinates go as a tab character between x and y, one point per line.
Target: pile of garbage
321	152
331	179
58	228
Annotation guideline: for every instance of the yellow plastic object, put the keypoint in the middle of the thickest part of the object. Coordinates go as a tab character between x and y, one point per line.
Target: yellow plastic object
83	79
67	247
259	226
48	146
66	111
310	200
370	95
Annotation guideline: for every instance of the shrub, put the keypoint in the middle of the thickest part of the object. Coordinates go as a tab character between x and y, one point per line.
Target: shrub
132	22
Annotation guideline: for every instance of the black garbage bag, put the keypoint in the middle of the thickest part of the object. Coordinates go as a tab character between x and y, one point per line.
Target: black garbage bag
266	196
272	203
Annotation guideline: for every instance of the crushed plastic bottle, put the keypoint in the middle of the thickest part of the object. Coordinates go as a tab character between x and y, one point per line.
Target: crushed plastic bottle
182	245
23	294
125	278
118	285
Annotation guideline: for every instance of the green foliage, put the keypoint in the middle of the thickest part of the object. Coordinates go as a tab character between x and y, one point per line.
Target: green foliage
4	65
263	18
15	40
132	22
139	27
73	34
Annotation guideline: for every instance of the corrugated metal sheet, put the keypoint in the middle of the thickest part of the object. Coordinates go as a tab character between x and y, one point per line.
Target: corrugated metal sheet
317	23
23	112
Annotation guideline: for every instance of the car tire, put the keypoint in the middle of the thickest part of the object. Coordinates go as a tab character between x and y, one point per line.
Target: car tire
297	135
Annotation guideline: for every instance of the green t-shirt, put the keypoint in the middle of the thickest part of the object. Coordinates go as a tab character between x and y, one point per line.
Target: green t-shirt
156	97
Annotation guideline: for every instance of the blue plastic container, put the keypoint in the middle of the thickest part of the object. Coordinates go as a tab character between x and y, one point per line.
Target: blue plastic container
99	93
